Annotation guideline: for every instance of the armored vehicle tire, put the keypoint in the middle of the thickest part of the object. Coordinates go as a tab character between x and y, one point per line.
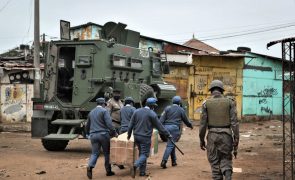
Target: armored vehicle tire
55	145
146	91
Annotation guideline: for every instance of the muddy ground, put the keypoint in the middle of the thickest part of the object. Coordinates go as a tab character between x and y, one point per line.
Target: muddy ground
260	157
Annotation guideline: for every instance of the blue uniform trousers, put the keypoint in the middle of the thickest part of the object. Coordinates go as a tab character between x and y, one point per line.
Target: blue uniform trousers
99	140
144	146
170	148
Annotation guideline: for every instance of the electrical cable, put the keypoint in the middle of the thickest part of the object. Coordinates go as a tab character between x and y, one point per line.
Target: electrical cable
30	19
5	5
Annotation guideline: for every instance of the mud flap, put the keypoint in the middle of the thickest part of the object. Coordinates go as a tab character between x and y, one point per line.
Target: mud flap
39	124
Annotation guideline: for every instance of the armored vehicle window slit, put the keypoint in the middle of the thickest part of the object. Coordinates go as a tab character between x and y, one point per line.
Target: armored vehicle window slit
119	61
136	63
157	67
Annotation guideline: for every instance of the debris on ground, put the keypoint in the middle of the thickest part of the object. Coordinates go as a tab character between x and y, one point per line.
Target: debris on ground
39	172
2	172
237	170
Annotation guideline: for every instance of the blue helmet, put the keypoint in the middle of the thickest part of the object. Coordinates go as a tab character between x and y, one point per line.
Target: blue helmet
100	101
151	101
128	100
176	99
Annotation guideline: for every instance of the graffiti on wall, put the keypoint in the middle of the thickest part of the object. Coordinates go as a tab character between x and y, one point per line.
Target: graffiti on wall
201	83
266	110
267	92
262	101
15	102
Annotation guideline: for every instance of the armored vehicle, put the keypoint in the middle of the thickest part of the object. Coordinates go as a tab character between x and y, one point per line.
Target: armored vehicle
77	72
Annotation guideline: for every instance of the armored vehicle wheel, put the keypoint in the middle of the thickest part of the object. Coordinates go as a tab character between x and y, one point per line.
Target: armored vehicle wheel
54	145
146	91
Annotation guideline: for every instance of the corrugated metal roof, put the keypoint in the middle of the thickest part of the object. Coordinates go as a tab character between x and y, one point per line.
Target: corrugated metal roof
195	43
23	65
223	55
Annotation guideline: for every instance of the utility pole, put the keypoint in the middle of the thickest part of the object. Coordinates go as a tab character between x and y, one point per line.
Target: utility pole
36	50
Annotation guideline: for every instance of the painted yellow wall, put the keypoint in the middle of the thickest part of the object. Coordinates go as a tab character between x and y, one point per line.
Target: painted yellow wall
207	68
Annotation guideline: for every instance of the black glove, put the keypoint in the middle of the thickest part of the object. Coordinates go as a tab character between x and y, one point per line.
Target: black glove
113	134
203	145
116	134
191	126
128	137
236	143
235	153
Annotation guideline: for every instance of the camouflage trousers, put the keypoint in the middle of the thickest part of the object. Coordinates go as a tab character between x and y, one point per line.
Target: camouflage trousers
219	153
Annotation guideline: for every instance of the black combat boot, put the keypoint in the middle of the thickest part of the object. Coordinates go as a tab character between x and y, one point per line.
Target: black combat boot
110	173
142	174
174	163
163	164
89	172
133	171
121	166
227	175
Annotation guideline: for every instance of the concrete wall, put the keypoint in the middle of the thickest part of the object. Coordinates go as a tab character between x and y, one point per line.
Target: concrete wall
262	87
16	104
16	92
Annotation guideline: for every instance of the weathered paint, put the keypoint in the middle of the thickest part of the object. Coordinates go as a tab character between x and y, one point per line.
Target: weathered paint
207	68
145	44
16	104
262	86
86	33
179	78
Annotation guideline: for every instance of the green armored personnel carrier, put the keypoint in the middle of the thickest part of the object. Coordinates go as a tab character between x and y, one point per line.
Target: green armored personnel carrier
79	71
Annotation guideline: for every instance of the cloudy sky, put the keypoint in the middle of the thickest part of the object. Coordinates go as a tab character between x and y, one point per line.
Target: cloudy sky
225	24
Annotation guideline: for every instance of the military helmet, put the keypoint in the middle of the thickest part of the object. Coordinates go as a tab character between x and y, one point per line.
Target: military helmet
216	83
100	101
176	99
151	101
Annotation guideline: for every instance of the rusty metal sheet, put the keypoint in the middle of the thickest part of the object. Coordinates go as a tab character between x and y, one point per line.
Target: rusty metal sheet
209	68
181	86
86	32
145	44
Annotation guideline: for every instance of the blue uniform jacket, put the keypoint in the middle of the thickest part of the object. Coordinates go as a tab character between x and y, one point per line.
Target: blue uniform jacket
99	120
126	114
143	121
174	115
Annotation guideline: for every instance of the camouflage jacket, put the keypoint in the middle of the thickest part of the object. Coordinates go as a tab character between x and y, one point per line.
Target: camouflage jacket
114	108
234	128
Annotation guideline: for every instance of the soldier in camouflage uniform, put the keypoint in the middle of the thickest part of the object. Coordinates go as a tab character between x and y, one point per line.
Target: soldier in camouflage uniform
114	106
219	115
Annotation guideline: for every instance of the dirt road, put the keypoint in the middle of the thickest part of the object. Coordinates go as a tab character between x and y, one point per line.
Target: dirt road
260	157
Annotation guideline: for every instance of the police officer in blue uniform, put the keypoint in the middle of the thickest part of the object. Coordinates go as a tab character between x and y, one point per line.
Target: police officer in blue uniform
126	114
171	118
142	123
100	129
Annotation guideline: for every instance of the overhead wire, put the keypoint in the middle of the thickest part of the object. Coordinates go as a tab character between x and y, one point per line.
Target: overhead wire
229	28
242	33
5	5
247	33
30	19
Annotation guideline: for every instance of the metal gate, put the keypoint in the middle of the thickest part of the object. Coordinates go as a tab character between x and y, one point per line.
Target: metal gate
288	70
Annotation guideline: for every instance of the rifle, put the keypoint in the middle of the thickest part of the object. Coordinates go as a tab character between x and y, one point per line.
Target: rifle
235	152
